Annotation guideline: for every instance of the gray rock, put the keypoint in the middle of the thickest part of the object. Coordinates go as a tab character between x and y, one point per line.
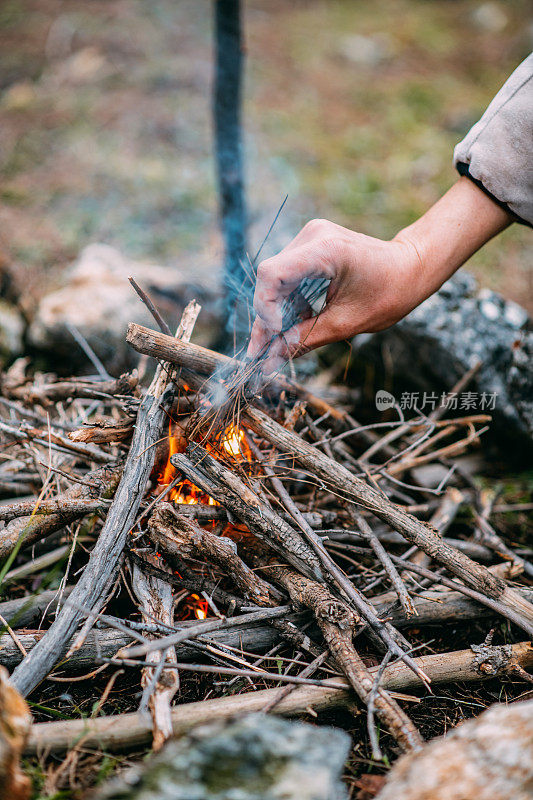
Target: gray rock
447	334
254	758
98	300
430	475
11	332
488	758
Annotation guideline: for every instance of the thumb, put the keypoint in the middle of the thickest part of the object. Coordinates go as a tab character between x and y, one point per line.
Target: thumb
313	332
301	338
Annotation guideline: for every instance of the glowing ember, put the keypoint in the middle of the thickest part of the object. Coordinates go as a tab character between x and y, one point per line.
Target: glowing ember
232	441
194	607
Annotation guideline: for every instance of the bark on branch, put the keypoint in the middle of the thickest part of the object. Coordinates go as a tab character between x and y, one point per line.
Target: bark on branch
128	731
418	533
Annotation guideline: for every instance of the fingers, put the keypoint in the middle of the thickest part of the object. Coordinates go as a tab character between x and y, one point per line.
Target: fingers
302	338
260	338
277	277
317	229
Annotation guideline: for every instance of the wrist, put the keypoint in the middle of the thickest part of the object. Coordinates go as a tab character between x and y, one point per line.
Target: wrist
447	235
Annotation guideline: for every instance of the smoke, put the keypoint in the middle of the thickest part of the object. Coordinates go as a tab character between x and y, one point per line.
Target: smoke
217	393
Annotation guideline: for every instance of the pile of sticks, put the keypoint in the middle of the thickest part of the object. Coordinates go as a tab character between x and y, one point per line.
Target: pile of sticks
310	543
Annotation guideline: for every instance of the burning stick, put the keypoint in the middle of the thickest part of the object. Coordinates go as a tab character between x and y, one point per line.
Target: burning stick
225	487
192	581
181	537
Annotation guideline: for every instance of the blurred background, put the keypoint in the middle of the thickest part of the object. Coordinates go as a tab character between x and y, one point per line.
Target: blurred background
351	108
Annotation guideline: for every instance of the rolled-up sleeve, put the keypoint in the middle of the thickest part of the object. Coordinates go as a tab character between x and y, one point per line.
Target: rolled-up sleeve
497	153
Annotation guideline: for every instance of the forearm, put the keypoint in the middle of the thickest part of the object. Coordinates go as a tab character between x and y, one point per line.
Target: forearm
461	222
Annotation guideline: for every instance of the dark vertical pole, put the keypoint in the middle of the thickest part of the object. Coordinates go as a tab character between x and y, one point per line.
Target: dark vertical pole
229	161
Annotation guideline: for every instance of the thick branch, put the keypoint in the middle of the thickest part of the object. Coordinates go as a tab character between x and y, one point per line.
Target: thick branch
128	731
206	362
174	534
337	621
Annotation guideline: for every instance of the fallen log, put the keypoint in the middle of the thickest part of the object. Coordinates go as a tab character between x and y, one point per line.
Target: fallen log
435	607
23	611
104	432
55	505
127	731
104	643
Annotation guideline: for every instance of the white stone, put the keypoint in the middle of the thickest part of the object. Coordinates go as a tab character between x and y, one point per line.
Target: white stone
488	758
99	301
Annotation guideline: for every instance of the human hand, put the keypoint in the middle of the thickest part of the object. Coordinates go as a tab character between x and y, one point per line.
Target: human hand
374	283
371	288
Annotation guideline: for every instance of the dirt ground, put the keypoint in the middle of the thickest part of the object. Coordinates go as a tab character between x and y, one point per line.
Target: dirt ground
351	108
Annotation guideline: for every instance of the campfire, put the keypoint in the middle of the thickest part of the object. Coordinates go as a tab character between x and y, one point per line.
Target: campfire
273	543
232	445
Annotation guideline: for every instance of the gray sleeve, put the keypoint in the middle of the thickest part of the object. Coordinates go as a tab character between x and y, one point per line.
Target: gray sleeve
497	153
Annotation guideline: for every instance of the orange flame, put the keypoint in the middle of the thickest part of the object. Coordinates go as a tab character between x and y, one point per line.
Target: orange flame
233	443
194	606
